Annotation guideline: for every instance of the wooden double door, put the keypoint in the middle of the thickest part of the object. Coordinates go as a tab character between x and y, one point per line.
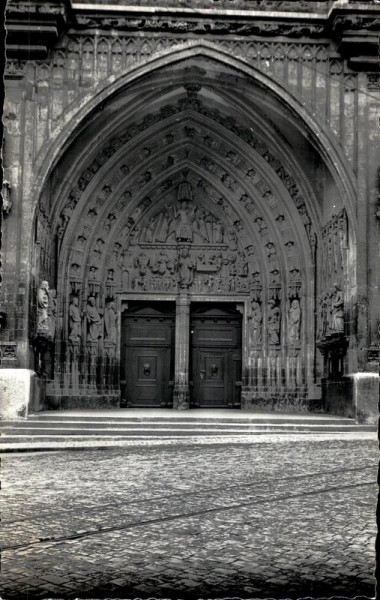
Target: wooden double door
148	355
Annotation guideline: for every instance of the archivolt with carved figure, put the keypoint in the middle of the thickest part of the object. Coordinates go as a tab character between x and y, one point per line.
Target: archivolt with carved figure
183	205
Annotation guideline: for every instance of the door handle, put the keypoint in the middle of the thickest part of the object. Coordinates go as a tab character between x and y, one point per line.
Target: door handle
203	372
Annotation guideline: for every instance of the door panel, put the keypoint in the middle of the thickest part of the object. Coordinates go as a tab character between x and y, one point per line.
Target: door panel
147	356
213	378
148	370
216	357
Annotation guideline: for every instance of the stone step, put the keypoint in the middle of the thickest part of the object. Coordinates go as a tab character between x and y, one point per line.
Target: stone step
11	431
257	418
176	425
49	435
91	429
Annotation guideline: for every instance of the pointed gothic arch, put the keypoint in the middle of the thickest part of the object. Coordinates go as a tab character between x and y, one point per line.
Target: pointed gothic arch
127	162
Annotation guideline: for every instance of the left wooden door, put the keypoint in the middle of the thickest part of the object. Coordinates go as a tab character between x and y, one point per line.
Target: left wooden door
148	358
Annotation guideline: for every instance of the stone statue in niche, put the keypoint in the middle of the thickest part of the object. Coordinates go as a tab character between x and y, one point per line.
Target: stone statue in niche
142	263
205	226
274	322
42	308
162	226
110	318
294	321
242	265
256	325
337	310
184	217
217	232
186	267
149	230
65	217
74	320
126	269
52	312
302	210
261	225
163	264
94	321
232	240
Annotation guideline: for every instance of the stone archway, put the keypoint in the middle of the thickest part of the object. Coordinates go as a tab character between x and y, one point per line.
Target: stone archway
185	197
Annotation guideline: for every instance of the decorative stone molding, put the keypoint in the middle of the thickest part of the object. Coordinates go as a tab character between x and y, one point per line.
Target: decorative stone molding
8	356
373	81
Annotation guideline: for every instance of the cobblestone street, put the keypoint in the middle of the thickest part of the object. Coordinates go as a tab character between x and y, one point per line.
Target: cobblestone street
287	518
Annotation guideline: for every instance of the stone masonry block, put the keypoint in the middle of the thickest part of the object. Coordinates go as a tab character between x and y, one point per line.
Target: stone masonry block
16	390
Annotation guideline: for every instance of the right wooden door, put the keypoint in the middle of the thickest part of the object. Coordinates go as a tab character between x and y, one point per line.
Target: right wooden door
215	368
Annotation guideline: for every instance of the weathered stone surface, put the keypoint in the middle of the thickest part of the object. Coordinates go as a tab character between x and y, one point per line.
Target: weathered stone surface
366	397
16	388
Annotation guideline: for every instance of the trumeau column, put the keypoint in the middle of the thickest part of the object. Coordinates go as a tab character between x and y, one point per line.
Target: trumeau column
181	396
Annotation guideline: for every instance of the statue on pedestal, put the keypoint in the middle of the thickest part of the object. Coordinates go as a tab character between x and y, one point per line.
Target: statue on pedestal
94	321
337	310
186	268
74	320
110	322
294	321
256	327
274	322
42	308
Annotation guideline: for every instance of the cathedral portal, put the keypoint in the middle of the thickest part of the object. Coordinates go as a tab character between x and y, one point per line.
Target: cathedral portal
190	209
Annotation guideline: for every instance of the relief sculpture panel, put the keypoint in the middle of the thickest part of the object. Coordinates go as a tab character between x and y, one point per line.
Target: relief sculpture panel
184	245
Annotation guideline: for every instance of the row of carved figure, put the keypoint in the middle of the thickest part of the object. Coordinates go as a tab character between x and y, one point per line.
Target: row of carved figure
183	220
164	270
274	316
96	324
93	323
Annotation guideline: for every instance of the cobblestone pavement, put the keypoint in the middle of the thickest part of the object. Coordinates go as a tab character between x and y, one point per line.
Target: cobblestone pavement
281	519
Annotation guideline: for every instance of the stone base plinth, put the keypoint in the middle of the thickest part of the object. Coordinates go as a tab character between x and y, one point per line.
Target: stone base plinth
355	396
338	397
18	389
84	402
181	397
283	400
366	397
